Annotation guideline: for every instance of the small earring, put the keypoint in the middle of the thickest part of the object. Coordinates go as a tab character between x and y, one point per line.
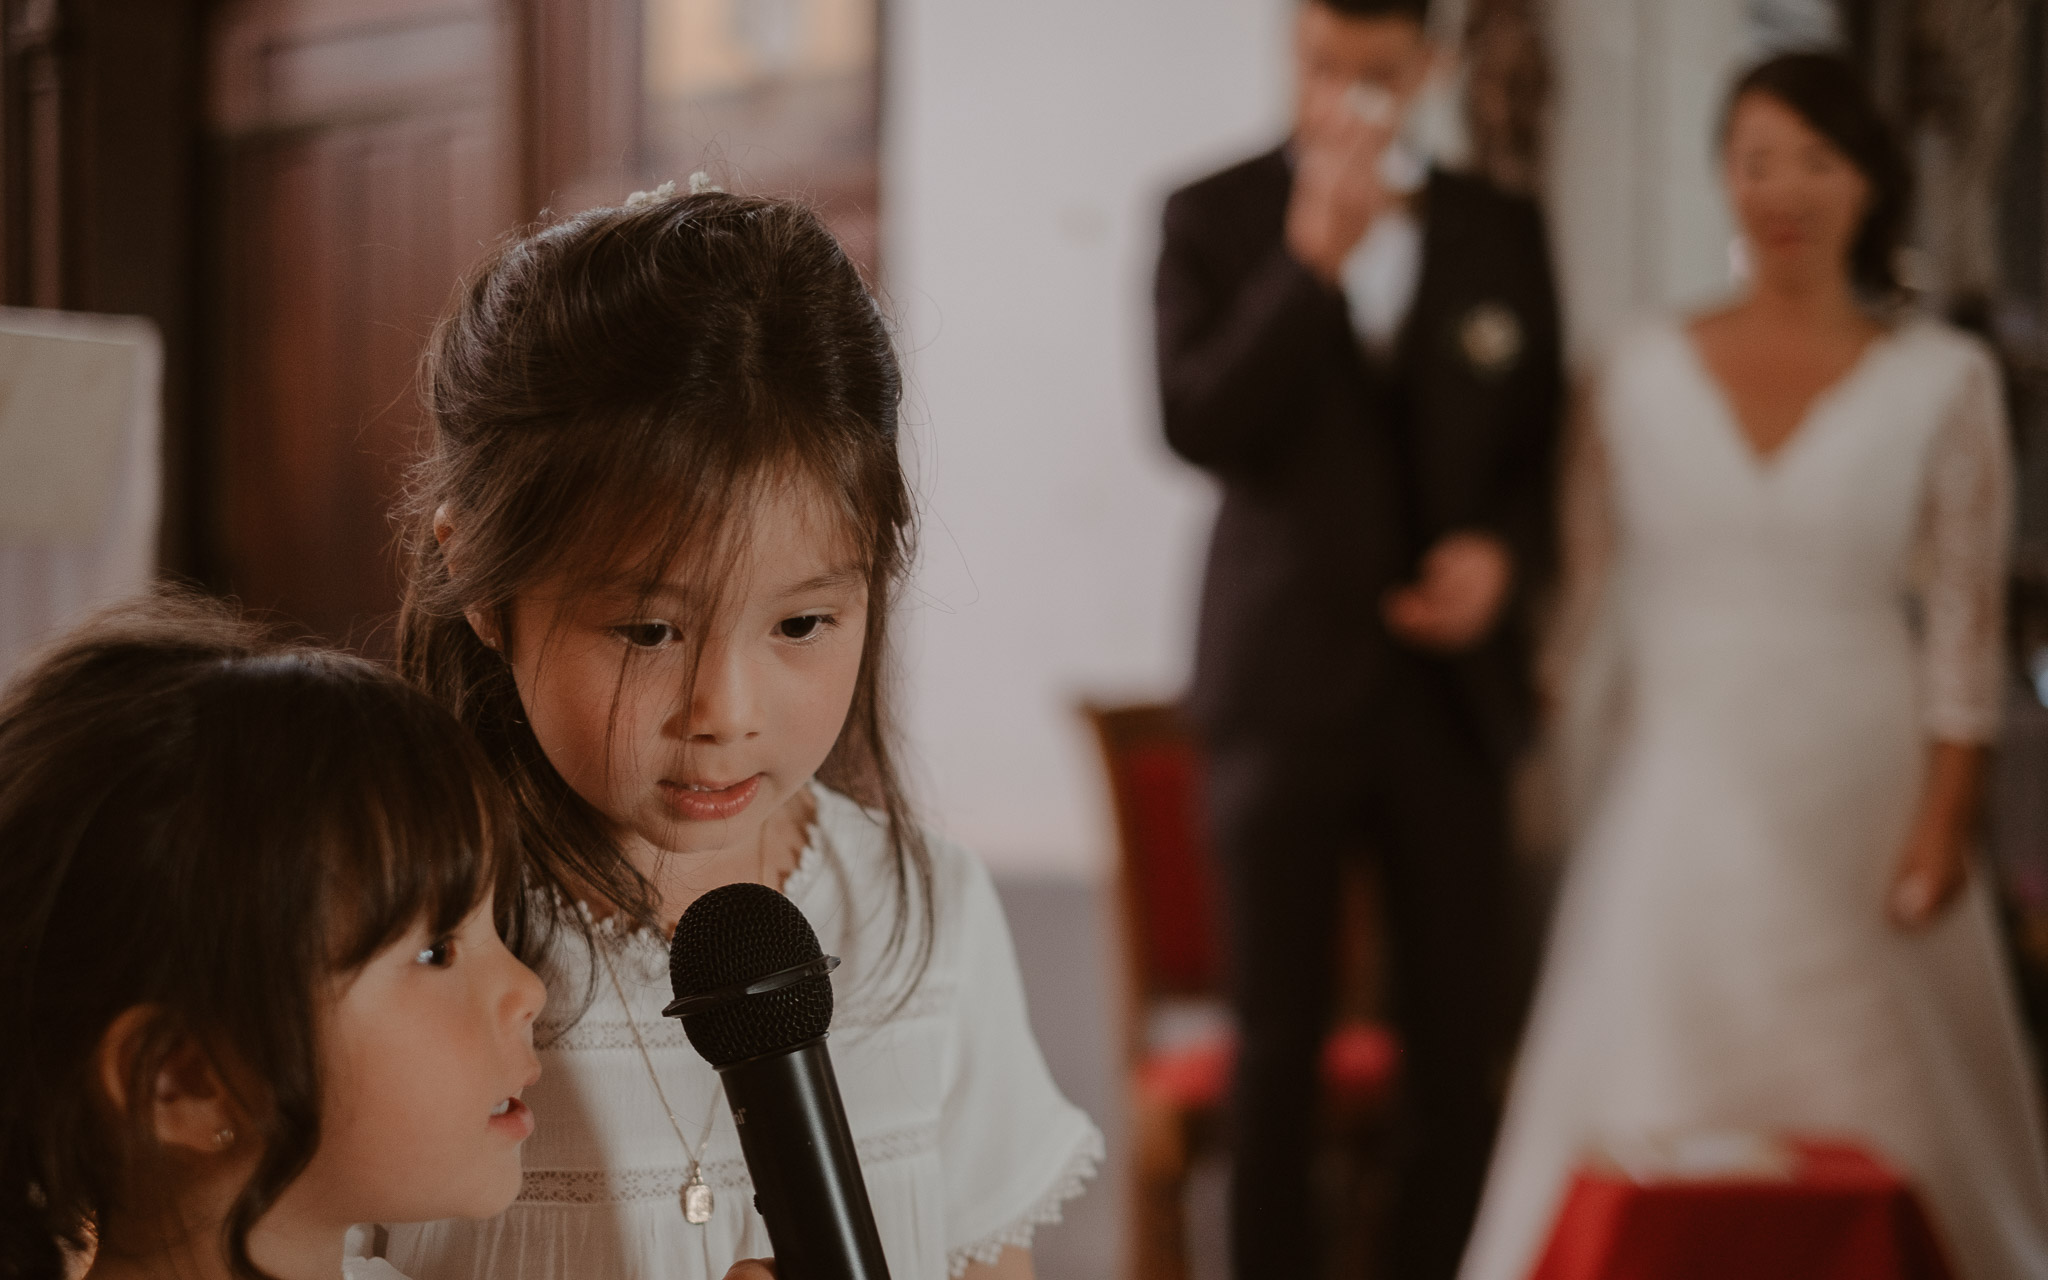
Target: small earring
223	1138
1740	265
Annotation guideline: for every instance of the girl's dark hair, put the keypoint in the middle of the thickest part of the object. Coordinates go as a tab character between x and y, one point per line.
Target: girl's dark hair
1830	95
207	825
631	381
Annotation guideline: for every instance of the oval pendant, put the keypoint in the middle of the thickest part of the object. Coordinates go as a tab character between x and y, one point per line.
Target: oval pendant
696	1199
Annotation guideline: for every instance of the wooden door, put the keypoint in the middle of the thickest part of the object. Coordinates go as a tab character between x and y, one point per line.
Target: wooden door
367	153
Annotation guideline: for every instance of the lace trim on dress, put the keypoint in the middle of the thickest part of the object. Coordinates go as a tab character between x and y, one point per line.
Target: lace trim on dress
662	1182
1072	1181
608	929
811	856
608	1186
859	1014
615	1033
1965	530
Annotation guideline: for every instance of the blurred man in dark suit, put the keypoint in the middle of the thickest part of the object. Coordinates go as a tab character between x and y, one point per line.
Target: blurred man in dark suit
1365	351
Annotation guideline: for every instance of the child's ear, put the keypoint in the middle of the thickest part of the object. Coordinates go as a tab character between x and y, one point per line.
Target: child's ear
189	1105
481	624
444	537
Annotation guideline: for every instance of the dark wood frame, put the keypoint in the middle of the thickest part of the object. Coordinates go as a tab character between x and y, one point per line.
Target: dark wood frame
99	194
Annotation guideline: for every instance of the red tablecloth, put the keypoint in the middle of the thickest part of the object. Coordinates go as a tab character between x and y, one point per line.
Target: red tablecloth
1842	1216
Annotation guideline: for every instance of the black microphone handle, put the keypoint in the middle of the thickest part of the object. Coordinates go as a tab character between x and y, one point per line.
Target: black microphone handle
807	1183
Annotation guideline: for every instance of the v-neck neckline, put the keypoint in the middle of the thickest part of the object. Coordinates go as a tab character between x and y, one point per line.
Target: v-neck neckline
1765	465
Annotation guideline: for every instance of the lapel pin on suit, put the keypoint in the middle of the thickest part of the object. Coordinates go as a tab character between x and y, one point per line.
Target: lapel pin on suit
1490	336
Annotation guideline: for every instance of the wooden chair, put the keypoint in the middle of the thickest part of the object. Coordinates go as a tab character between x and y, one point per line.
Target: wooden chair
1178	1043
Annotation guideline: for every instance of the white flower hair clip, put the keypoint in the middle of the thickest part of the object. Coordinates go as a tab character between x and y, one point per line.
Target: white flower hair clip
641	199
700	182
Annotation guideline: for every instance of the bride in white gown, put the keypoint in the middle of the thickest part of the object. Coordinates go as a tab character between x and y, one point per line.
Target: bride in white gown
1769	923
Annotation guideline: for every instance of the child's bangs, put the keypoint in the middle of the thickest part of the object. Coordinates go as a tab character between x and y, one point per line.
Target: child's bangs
668	510
424	839
409	823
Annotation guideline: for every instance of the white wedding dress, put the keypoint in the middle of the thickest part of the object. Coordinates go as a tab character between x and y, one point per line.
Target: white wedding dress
1782	638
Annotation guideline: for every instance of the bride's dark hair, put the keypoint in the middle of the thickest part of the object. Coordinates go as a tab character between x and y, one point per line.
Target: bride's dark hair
1829	94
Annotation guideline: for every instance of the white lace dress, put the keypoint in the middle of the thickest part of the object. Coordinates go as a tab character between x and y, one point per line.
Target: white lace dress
1785	637
965	1143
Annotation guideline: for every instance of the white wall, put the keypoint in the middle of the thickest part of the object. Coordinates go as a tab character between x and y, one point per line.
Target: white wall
1636	208
1027	148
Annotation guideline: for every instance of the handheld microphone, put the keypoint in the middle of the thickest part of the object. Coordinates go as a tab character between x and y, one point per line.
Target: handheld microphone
751	988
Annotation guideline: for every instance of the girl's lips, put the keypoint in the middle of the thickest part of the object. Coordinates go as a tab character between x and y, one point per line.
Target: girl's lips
707	806
515	1120
1782	235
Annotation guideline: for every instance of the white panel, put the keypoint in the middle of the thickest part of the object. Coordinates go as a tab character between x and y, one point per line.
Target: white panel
81	490
64	415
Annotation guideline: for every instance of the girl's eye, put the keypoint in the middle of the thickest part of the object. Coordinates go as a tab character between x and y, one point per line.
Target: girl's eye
804	626
439	955
645	635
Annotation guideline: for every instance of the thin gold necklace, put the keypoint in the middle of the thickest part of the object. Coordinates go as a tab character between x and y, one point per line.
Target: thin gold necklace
695	1196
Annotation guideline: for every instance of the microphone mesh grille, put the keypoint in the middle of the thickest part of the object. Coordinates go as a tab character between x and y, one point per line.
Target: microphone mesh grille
733	935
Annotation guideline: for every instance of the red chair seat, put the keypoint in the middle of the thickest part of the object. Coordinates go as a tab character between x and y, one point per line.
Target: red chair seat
1360	1061
1842	1215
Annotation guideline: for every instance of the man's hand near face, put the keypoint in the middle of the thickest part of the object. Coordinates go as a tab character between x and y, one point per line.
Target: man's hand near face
1345	64
1338	190
1451	608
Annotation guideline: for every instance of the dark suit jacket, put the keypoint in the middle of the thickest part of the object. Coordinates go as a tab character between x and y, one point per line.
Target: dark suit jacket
1338	472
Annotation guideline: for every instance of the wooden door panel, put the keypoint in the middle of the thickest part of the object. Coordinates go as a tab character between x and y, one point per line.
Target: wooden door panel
366	164
279	306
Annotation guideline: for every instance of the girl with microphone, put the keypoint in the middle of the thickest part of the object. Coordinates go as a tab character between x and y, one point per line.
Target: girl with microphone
657	540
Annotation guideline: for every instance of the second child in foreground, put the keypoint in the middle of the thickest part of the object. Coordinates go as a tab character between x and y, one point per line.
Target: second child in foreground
252	985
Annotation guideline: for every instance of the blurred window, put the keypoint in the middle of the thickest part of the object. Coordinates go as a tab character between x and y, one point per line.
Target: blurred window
772	97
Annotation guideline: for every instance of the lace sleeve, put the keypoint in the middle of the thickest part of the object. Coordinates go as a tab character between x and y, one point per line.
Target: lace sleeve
1965	529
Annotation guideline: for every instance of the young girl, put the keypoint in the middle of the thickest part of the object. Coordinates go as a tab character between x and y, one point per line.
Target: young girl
656	544
252	986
